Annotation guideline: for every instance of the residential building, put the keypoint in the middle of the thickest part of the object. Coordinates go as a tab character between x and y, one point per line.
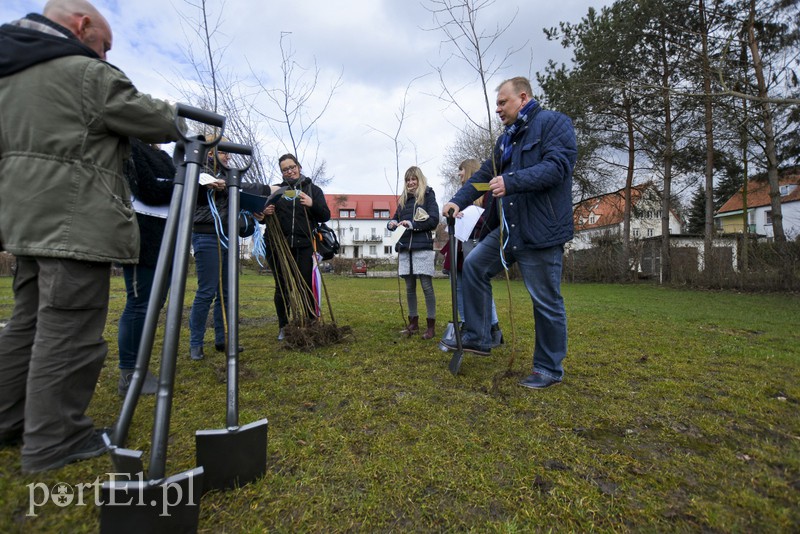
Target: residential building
360	224
603	216
729	220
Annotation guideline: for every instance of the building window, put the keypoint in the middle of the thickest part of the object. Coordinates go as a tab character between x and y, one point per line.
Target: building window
387	251
374	233
373	250
340	231
649	232
387	232
592	219
380	214
635	232
768	215
347	214
355	233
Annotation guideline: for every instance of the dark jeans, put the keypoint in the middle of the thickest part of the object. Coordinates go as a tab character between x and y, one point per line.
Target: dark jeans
304	261
207	261
51	353
138	284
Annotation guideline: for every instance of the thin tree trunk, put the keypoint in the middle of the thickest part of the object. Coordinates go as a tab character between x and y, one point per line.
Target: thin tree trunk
626	224
769	131
709	131
666	264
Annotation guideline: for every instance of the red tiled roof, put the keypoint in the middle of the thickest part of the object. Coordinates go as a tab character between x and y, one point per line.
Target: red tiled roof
364	205
758	194
609	209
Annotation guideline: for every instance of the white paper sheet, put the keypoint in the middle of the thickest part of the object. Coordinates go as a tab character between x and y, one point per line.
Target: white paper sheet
397	233
153	211
206	179
466	223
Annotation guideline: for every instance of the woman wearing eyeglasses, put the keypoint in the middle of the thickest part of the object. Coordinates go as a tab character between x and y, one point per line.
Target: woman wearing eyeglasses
298	211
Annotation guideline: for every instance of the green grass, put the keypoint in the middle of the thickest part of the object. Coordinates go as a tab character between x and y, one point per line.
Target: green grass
679	412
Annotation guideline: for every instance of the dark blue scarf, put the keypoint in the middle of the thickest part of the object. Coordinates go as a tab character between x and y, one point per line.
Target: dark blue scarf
508	135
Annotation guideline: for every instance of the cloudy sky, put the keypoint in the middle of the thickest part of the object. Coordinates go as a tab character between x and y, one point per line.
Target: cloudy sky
378	47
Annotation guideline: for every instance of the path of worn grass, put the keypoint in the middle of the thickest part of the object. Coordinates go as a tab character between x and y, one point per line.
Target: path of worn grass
679	412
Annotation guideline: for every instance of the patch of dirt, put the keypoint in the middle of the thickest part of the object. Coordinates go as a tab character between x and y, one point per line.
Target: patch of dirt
315	335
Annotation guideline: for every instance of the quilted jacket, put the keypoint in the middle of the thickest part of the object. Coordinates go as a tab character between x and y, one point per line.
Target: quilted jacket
419	236
538	179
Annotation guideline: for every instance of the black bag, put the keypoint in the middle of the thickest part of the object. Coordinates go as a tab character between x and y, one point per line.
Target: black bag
326	240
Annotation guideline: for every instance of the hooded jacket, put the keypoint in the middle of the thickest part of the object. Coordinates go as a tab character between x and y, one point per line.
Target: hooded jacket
64	130
150	173
538	180
295	220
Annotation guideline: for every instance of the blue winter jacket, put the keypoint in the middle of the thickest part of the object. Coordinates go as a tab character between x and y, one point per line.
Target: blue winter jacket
538	179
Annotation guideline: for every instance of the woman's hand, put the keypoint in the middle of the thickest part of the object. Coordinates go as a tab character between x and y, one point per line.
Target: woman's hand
392	225
407	224
270	210
306	200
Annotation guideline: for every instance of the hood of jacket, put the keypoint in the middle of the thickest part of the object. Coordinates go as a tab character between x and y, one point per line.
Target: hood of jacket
36	39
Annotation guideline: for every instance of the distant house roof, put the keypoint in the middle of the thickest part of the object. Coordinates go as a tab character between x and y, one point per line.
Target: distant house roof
608	209
364	205
758	194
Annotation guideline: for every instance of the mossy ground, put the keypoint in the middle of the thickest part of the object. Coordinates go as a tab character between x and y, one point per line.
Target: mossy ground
679	412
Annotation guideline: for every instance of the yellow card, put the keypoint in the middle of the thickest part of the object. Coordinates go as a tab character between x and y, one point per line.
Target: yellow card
482	186
290	193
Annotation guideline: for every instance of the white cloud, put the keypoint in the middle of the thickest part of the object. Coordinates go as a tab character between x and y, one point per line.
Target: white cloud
379	46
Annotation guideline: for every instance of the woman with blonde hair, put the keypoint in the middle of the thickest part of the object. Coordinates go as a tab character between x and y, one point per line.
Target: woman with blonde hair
418	212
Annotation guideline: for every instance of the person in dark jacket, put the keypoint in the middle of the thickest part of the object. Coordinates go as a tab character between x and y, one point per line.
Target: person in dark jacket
150	173
530	177
211	253
298	211
418	212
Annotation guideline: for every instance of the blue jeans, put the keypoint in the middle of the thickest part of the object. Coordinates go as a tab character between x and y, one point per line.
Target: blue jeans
460	300
138	283
541	271
207	263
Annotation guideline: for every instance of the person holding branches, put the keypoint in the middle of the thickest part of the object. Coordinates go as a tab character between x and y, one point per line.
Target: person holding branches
297	212
530	178
417	212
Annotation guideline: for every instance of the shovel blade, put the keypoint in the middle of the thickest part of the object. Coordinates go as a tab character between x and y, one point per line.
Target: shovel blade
455	362
127	461
168	506
232	457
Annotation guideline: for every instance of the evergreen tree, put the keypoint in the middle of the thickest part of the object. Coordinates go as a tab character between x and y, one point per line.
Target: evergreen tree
697	212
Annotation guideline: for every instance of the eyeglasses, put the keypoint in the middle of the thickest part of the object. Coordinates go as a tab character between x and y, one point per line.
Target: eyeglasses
287	170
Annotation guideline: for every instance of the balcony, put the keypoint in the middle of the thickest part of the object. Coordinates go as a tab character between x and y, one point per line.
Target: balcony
369	239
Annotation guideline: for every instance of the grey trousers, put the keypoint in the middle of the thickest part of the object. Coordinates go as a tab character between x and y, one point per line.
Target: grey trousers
51	353
427	290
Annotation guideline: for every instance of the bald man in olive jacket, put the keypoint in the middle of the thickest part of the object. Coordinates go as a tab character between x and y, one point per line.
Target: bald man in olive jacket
65	213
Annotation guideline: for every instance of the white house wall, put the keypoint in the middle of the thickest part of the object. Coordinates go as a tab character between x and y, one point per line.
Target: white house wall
359	233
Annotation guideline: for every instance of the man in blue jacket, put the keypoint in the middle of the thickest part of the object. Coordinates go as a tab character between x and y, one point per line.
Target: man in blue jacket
530	177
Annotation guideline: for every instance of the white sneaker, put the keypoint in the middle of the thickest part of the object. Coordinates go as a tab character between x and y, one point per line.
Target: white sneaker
281	335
